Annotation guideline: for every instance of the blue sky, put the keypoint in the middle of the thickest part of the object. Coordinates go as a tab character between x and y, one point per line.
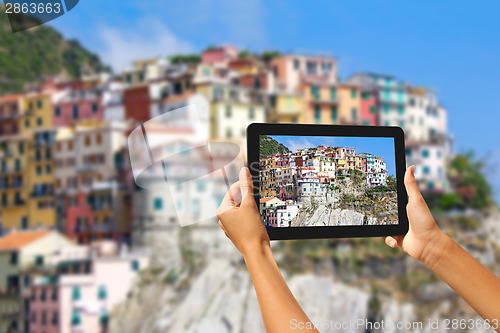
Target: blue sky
383	147
452	47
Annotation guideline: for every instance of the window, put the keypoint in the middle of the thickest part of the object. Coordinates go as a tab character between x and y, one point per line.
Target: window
201	186
14	258
296	63
76	294
75	318
228	111
27	123
21	148
315	92
366	95
102	293
94	108
134	265
426	170
87	140
386	109
439	154
39	104
24	222
372	109
354	93
57	111
229	133
354	114
38	170
425	153
311	67
386	95
18	165
333	94
251	113
38	260
75	112
317	114
55	318
401	109
158	204
70	145
98	138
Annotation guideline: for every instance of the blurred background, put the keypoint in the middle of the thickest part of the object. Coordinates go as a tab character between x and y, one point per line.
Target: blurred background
84	249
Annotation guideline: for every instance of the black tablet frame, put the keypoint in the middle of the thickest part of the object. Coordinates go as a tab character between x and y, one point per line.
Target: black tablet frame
256	129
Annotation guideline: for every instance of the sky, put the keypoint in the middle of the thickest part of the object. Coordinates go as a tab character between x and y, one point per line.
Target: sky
452	47
383	147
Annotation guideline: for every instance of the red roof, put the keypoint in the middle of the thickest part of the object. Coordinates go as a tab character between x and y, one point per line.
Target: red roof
263	200
19	239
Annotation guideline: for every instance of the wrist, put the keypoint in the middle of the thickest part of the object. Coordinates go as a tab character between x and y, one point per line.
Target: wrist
256	250
436	248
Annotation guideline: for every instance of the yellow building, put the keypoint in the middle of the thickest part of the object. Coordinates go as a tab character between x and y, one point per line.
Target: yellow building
286	108
14	180
37	124
320	103
13	164
349	109
18	252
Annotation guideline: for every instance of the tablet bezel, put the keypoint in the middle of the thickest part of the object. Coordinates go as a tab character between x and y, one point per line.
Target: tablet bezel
256	129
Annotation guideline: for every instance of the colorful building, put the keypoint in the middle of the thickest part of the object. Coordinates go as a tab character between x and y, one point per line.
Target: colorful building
286	108
76	289
291	70
321	102
219	55
77	105
19	251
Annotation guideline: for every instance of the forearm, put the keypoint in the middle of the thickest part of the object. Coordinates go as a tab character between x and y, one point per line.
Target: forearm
278	306
479	287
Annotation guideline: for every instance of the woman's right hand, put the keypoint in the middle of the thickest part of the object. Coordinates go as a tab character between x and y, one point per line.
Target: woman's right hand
424	240
239	216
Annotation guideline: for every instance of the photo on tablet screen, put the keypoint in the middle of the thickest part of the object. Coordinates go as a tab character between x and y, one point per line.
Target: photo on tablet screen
308	181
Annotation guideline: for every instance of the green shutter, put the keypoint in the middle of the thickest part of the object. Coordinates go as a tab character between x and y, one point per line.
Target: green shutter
102	293
75	318
76	295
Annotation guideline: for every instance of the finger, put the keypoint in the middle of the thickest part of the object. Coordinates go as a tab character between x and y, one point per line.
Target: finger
246	183
228	201
411	185
391	241
222	226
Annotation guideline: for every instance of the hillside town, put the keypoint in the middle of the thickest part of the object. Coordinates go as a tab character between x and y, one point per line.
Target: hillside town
66	177
287	179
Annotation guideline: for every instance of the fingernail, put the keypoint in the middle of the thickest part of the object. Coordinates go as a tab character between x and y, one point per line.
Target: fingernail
392	243
413	170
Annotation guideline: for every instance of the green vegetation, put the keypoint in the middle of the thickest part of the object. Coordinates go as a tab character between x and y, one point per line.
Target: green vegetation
269	147
270	55
184	58
471	187
40	53
466	175
244	54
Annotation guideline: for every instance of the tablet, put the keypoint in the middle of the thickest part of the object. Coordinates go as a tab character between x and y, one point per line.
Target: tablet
328	181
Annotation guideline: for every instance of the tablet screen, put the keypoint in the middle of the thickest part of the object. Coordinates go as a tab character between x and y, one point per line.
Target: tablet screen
309	181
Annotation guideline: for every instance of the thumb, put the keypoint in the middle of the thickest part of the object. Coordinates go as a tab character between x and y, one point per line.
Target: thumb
411	185
246	183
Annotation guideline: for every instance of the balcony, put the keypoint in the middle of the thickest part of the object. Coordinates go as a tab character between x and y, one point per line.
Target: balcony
86	168
11	291
10	115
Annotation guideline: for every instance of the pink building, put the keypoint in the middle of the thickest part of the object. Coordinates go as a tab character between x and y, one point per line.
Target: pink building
369	114
221	54
82	105
79	289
